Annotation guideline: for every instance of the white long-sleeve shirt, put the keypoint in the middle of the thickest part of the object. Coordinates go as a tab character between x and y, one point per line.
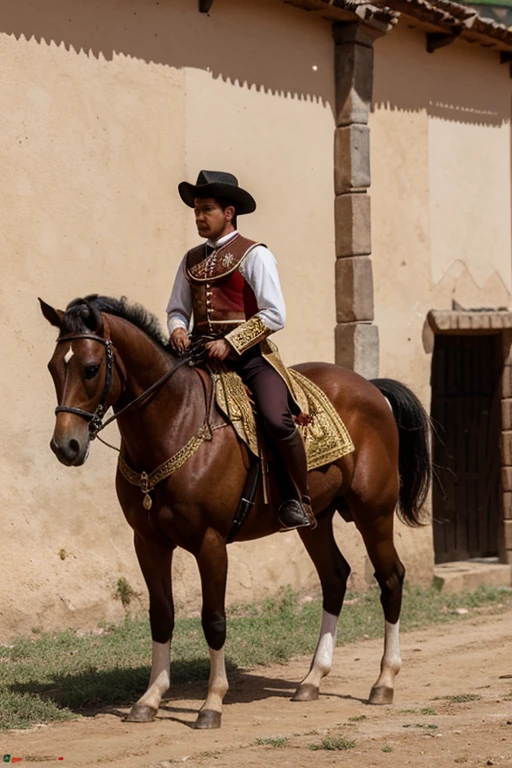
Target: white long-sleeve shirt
259	270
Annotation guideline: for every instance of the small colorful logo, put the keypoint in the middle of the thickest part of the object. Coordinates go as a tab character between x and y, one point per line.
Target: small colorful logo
30	759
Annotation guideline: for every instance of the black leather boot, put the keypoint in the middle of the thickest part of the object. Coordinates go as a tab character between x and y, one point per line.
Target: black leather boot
295	512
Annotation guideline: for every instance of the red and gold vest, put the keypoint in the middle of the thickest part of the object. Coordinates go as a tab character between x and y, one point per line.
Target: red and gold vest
221	298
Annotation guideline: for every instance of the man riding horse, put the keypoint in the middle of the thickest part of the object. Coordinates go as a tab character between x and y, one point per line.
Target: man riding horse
111	354
230	287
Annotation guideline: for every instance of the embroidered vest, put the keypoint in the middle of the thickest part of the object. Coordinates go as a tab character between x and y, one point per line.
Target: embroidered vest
221	298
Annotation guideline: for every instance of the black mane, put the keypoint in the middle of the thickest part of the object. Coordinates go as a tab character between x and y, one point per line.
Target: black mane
79	317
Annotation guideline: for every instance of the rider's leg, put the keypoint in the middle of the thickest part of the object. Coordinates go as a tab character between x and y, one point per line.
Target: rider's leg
272	401
293	456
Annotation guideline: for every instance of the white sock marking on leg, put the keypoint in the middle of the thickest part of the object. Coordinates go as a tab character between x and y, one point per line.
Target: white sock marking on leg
160	677
326	642
218	681
391	662
322	660
391	656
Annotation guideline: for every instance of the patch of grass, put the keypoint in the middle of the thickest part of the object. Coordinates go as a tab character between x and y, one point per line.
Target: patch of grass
428	711
462	698
272	741
21	710
48	677
124	592
357	718
386	748
422	607
334	743
207	753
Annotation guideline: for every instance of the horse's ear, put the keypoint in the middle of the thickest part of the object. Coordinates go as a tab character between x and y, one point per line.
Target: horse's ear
95	319
54	316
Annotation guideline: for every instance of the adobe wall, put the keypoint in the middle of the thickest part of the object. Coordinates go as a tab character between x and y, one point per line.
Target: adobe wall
441	192
105	108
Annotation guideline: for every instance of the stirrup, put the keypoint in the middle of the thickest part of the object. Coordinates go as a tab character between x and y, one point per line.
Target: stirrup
294	514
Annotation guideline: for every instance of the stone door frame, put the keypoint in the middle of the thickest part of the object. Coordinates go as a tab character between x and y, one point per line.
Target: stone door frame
490	322
356	335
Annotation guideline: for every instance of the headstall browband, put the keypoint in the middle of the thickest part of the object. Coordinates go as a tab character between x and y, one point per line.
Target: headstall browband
94	418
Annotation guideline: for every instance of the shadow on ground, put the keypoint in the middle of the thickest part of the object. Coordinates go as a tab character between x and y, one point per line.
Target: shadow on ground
91	692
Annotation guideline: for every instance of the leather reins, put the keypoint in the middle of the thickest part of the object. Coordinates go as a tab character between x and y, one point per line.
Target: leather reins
95	418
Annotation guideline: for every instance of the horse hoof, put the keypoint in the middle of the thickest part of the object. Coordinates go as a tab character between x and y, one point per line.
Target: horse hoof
208	718
381	694
306	692
141	713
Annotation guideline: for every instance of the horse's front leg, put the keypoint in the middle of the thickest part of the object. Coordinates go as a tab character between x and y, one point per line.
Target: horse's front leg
333	571
213	564
155	563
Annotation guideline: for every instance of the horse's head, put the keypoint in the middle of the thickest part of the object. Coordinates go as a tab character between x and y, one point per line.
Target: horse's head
83	371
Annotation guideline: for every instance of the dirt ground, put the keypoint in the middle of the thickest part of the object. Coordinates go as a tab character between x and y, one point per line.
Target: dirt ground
469	659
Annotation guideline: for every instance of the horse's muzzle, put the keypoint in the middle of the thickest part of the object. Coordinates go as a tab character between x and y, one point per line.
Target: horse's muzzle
70	452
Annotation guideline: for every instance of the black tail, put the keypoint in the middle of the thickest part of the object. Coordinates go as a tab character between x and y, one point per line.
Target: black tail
414	460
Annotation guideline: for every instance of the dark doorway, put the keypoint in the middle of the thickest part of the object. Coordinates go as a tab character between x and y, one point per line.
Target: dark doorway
466	411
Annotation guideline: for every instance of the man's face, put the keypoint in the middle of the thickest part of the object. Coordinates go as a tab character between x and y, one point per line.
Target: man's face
211	220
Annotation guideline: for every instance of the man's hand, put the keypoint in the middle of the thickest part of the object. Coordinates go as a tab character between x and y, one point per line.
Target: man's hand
180	340
219	350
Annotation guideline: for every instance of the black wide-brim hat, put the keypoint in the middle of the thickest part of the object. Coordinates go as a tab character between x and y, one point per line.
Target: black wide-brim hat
218	185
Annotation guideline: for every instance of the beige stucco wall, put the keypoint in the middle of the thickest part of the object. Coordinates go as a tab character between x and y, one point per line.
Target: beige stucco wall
104	108
441	201
122	101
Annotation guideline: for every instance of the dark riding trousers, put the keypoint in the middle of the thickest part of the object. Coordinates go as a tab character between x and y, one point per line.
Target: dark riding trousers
269	391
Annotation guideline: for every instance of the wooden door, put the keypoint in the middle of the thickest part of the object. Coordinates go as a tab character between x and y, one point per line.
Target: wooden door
466	412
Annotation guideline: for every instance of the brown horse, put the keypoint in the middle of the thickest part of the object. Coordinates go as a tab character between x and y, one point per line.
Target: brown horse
109	354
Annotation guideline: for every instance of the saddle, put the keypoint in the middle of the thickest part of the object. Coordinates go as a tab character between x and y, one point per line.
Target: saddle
325	436
323	432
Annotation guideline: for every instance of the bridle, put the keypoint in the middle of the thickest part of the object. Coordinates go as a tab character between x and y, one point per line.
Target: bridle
95	418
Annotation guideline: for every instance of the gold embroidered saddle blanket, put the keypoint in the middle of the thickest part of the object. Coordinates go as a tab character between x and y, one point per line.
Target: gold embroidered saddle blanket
326	438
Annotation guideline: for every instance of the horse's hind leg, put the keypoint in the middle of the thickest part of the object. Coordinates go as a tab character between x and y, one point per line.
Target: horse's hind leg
155	563
389	572
213	563
390	578
333	570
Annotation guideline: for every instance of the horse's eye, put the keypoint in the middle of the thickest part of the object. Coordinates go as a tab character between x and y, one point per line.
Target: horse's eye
91	371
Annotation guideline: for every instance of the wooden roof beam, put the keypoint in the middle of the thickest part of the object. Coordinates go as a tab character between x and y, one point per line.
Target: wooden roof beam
323	9
437	40
506	58
205	5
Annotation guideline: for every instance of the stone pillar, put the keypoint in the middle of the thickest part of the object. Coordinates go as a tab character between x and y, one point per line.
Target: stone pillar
506	449
357	338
